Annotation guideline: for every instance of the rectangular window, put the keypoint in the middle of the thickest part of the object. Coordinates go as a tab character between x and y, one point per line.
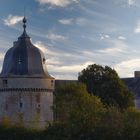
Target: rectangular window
5	82
38	98
38	108
20	104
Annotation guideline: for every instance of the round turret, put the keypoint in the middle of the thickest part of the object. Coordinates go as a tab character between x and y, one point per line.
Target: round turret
24	59
26	88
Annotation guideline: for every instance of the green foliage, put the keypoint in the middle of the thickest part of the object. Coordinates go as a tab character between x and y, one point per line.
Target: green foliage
18	133
57	131
73	99
111	125
80	116
131	130
78	110
105	83
85	118
6	122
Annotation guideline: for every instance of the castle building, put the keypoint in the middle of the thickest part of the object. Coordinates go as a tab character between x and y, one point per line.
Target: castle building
26	88
133	84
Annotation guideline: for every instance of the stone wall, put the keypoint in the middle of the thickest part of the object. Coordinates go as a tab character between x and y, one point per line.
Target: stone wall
29	82
27	101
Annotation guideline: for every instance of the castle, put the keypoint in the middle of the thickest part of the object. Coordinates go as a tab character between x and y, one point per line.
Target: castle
26	88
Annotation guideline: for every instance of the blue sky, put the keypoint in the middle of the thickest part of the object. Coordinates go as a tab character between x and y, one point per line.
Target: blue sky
76	33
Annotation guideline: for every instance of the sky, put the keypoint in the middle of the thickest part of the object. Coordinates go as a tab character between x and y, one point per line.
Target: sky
76	33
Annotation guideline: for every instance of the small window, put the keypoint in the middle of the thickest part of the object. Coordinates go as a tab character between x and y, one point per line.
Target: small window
38	105
5	82
20	104
38	108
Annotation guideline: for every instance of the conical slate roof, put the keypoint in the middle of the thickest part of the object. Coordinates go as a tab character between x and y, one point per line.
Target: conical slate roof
24	59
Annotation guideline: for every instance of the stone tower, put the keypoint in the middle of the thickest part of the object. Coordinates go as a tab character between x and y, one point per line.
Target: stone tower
26	88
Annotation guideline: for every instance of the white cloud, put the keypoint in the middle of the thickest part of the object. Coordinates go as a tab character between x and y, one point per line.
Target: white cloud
52	57
137	29
66	21
12	20
131	2
79	21
88	53
44	48
60	3
121	37
53	61
65	76
2	56
127	68
111	50
82	21
107	36
118	46
41	46
104	36
69	69
125	3
55	37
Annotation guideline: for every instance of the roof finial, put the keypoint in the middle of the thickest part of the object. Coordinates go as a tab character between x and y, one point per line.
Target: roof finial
24	23
24	34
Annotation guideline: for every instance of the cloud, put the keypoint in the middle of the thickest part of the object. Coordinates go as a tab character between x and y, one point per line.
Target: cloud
127	3
65	76
60	3
12	20
44	48
111	50
55	37
69	69
79	21
2	56
137	29
102	36
131	2
66	21
127	68
118	46
88	53
57	63
121	37
53	61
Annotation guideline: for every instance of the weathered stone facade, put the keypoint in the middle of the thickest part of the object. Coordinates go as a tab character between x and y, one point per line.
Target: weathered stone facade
26	88
27	101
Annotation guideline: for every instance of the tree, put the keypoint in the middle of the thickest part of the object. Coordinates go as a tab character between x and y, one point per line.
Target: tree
74	98
77	111
131	125
105	83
